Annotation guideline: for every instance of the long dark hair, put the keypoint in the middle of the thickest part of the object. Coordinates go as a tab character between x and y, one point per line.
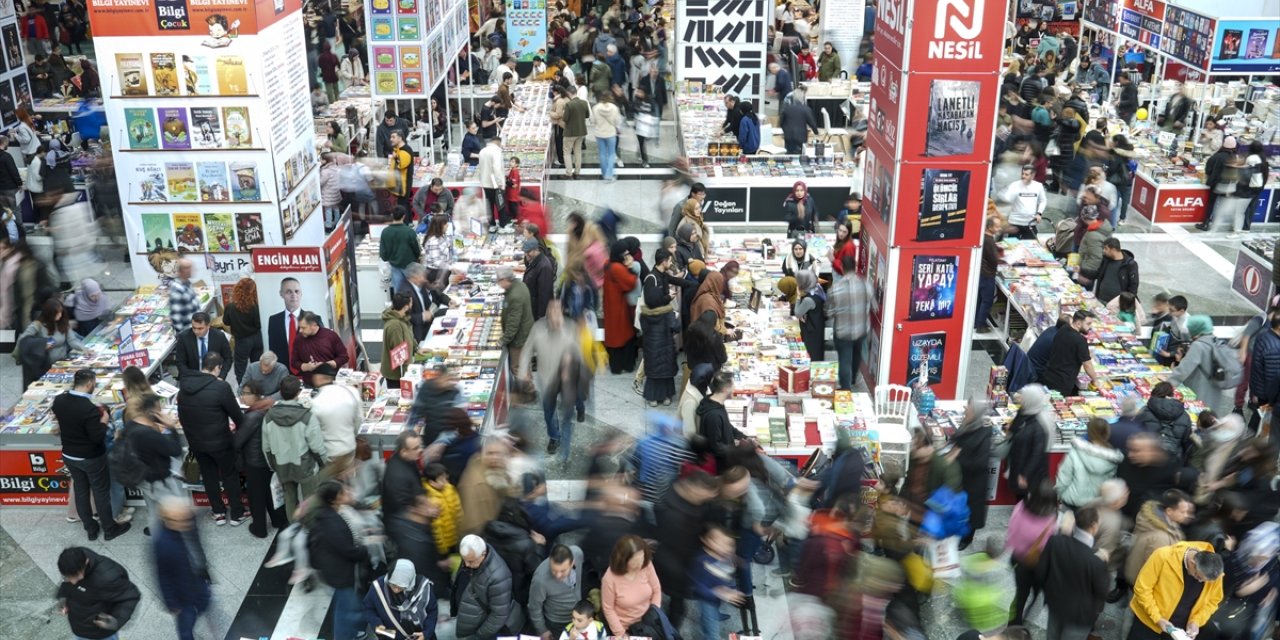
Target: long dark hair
49	317
702	331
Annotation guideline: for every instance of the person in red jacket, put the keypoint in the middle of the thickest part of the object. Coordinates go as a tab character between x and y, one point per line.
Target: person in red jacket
533	214
35	30
829	552
512	191
806	65
846	245
620	278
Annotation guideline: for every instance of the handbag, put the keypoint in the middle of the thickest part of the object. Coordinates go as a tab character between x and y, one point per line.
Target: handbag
1033	556
190	469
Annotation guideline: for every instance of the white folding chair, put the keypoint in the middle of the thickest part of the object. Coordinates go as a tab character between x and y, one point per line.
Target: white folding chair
767	146
892	403
841	134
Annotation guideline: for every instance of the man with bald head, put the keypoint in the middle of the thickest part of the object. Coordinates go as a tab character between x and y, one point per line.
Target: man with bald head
182	297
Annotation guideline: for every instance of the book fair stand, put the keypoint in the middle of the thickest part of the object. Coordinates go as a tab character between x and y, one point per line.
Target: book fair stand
1216	54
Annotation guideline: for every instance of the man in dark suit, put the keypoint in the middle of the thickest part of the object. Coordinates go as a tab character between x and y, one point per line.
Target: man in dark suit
1068	564
425	298
195	344
82	426
282	327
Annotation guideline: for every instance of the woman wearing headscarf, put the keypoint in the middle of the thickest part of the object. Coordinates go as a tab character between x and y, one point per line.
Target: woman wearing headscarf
691	214
810	310
1029	441
402	604
703	344
1196	367
619	315
800	211
56	169
659	326
971	450
798	258
695	272
789	289
90	305
688	244
710	297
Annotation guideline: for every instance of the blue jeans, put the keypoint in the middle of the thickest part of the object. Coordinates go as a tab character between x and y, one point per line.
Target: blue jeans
709	619
186	620
608	155
348	614
555	425
986	298
748	544
849	359
397	279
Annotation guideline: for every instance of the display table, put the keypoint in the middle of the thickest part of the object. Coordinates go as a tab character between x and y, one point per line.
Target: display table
31	472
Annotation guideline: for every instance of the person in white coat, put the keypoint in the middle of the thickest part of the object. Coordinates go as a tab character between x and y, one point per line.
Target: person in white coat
351	70
492	179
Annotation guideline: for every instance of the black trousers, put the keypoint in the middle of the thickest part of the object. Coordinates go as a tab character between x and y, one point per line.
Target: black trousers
248	349
92	478
258	484
218	472
559	142
493	197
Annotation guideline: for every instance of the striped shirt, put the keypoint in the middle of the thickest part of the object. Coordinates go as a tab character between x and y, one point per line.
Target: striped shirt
849	307
182	304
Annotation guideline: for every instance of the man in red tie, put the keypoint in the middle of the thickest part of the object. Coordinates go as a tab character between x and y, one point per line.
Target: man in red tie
282	328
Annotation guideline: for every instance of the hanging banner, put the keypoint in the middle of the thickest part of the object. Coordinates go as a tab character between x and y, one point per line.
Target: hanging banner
221	20
933	287
1246	46
526	29
944	204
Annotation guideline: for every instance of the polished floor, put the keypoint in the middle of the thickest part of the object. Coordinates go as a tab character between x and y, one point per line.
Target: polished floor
253	602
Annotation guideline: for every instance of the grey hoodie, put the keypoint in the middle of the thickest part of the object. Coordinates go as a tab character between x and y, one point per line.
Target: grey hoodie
292	441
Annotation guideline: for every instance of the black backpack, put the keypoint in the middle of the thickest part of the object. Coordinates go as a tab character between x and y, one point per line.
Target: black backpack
124	464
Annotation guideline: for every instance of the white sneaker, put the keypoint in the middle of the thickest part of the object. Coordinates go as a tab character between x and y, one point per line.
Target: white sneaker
620	165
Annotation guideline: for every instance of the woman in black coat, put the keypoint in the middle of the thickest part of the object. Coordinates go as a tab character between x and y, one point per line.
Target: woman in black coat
972	451
1029	448
338	558
248	443
658	327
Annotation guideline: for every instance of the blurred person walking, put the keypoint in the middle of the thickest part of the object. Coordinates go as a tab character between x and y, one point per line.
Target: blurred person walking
182	570
95	594
339	556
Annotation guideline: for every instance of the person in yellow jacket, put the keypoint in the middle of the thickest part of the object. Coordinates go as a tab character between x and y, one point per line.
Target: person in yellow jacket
435	479
1179	587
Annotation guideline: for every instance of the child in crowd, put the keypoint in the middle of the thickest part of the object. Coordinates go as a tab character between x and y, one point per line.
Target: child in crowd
512	192
445	526
713	579
584	625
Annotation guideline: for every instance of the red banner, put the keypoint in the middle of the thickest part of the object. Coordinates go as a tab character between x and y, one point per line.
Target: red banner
955	36
287	260
32	477
221	21
891	30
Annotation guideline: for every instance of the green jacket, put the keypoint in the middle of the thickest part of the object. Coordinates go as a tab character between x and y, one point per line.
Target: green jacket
395	331
292	441
517	316
576	112
399	246
828	67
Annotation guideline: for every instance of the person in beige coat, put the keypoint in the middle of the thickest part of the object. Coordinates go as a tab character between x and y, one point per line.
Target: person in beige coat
691	214
1159	524
483	485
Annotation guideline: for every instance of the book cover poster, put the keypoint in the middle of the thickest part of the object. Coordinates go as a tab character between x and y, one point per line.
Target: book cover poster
157	231
175	132
22	91
232	80
13	46
944	197
244	182
412	81
8	106
196	75
953	116
411	57
927	349
164	71
377	7
220	232
933	287
190	230
151	182
181	178
213	182
133	78
384	82
235	126
384	57
141	127
408	7
382	29
206	129
249	230
409	29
